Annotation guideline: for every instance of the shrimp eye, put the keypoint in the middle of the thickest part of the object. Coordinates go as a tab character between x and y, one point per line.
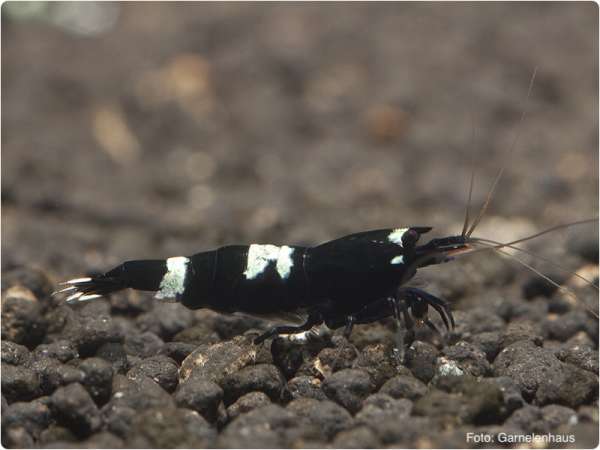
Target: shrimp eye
410	238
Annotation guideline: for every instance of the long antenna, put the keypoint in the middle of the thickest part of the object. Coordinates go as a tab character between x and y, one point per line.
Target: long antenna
540	233
471	183
562	289
510	152
546	260
467	212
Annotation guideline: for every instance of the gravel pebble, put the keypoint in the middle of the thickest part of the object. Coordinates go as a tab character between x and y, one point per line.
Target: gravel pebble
62	350
98	375
329	360
559	303
199	334
17	437
19	383
588	414
532	419
528	365
580	356
33	279
268	427
133	360
14	354
511	393
463	399
470	358
200	395
170	428
522	330
490	342
23	321
378	361
516	308
536	286
404	386
260	377
230	326
406	434
139	393
52	373
89	332
56	433
542	376
326	415
380	407
566	325
357	437
476	320
103	439
115	354
118	418
131	302
143	345
165	320
305	386
446	368
441	405
348	387
34	416
177	351
572	387
584	245
161	369
421	359
215	362
247	403
76	410
375	333
557	415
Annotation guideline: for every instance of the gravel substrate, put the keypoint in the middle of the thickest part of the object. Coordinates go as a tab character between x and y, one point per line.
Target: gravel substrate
99	379
166	130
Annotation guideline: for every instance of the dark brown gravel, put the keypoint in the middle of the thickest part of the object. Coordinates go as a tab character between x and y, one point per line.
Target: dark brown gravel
183	128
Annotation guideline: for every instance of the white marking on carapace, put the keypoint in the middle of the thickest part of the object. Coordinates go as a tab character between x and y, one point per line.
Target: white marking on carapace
396	235
260	255
173	283
397	260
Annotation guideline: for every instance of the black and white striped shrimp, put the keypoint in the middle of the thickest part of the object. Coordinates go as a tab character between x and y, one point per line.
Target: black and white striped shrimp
355	279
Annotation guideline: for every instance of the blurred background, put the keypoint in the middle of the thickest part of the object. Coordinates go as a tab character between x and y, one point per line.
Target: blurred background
149	130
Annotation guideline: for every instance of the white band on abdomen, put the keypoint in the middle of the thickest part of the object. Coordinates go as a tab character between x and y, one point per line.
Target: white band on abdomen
173	283
259	256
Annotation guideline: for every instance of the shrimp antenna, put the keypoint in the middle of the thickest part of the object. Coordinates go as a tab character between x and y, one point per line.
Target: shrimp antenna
546	260
467	212
538	234
561	288
490	193
468	208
